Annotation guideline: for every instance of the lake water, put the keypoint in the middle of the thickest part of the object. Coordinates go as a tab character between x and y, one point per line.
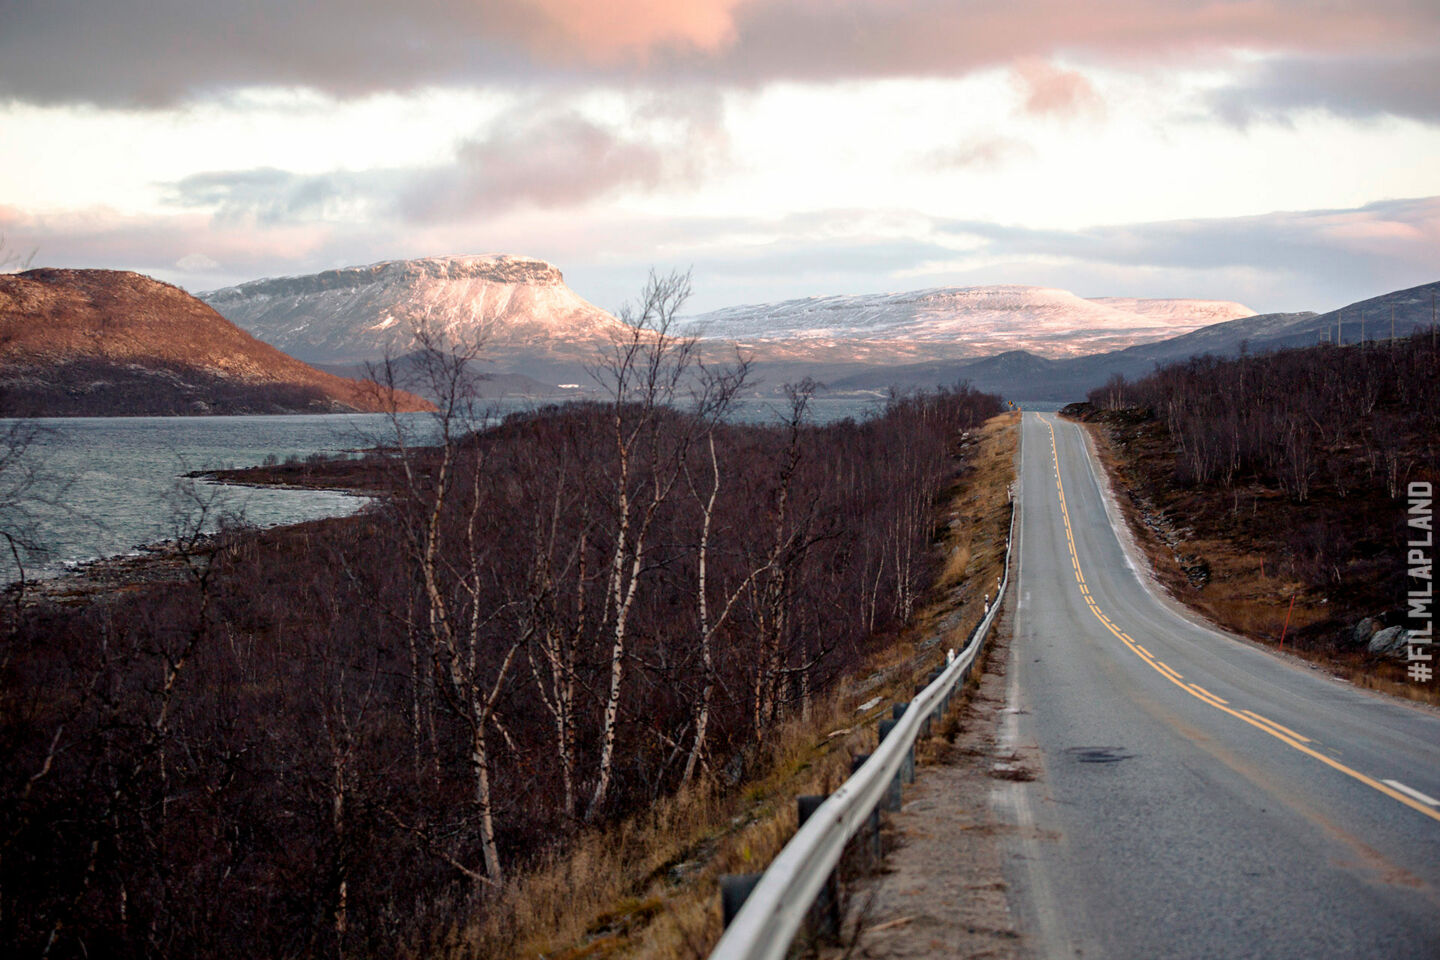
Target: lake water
117	482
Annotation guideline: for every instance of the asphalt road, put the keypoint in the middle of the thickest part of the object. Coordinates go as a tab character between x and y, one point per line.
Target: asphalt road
1195	796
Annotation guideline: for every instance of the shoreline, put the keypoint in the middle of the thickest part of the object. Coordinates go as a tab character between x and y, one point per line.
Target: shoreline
102	577
163	561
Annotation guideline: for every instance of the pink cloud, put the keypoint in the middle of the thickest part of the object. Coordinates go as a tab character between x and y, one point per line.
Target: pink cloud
608	31
1050	91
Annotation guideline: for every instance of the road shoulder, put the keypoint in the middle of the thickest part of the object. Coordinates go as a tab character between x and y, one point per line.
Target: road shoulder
942	889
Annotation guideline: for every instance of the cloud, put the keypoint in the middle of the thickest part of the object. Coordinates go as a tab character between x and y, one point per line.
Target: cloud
1365	86
163	246
1352	252
268	196
1048	90
618	29
538	154
559	157
987	153
1313	259
1287	260
161	52
196	263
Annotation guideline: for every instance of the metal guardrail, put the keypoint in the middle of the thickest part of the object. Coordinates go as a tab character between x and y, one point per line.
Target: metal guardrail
765	926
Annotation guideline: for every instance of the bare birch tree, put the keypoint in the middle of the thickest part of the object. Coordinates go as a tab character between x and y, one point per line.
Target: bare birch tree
432	492
724	386
644	374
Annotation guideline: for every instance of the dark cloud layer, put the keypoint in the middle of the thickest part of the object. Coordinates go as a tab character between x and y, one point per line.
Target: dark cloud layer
1387	238
1407	85
160	52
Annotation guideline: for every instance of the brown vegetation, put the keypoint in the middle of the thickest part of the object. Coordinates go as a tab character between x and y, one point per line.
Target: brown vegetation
347	738
1267	479
646	886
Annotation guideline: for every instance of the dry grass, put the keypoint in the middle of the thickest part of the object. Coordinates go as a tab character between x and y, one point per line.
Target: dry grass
1245	598
647	887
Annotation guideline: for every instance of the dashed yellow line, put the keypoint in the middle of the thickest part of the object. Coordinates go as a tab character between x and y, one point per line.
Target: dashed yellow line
1282	733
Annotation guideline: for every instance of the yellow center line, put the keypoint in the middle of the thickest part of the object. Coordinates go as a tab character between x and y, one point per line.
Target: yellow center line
1283	734
1196	688
1170	672
1279	726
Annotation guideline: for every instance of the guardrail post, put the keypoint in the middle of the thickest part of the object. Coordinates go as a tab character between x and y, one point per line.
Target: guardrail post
734	891
892	799
907	769
873	821
925	723
824	913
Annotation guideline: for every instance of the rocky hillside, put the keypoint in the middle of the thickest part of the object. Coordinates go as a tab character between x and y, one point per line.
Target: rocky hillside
111	342
528	317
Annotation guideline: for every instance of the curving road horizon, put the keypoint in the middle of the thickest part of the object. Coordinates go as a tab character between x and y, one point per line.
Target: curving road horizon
1195	794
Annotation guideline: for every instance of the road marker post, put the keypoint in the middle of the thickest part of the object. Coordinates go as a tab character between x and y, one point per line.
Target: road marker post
1286	629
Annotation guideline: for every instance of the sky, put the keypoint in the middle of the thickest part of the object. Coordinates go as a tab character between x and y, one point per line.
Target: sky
1282	153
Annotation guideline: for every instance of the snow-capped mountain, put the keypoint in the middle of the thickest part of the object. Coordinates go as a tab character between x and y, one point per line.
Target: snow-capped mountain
534	324
956	322
1182	312
518	304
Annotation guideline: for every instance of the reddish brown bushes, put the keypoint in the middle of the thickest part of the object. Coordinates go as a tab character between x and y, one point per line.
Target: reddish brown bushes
334	738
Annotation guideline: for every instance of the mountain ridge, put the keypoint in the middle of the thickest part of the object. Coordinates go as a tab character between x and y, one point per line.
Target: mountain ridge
534	325
1036	378
939	323
115	342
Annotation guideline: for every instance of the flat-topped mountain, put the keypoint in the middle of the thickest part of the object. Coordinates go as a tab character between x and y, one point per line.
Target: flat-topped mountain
112	342
520	306
955	322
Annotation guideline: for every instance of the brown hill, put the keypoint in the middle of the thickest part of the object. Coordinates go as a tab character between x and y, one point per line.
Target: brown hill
112	342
